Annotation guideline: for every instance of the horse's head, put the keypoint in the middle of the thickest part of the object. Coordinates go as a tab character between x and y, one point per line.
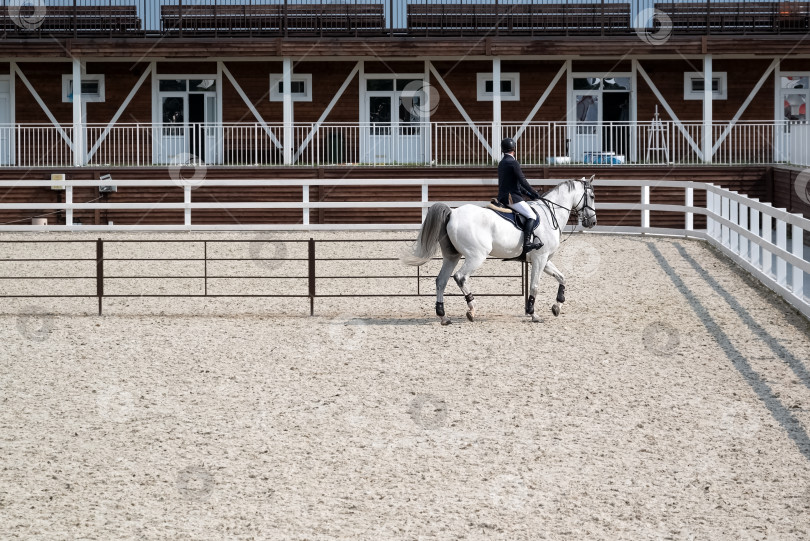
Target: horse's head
586	207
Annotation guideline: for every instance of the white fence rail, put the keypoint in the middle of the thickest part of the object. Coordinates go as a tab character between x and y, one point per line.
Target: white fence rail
766	241
406	143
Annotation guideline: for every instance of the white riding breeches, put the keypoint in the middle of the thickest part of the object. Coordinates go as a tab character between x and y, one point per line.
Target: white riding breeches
523	208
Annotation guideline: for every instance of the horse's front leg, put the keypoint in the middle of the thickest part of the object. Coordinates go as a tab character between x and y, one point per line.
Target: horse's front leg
448	264
555	272
534	282
471	263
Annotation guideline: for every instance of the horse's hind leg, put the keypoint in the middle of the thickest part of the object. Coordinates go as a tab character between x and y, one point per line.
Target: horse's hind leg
534	282
448	264
551	270
471	263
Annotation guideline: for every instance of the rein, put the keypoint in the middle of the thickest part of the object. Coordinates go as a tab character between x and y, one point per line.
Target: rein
555	223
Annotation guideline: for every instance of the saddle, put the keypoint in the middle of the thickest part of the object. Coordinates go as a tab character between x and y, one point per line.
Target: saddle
514	218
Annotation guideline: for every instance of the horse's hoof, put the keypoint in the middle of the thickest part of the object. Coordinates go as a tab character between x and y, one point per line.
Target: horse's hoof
446	321
535	319
555	310
470	315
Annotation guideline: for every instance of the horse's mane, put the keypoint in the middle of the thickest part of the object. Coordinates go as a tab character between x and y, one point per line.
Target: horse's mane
569	183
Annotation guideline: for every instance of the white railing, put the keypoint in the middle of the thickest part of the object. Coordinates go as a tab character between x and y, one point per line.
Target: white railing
437	143
766	241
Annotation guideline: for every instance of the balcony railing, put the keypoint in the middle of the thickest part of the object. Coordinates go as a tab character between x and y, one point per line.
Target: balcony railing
413	144
206	18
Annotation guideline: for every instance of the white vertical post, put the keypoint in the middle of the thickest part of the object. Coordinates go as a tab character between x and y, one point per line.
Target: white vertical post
710	210
767	260
707	109
754	256
743	222
645	212
426	134
496	106
724	212
287	110
187	205
305	200
69	205
79	154
425	199
690	201
797	249
781	241
733	236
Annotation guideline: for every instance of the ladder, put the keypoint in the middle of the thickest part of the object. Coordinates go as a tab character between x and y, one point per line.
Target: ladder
657	141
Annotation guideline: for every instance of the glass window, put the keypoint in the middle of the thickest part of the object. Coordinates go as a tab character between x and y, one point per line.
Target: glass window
506	86
589	83
173	110
202	85
380	84
296	87
796	106
415	84
795	82
698	85
172	85
616	83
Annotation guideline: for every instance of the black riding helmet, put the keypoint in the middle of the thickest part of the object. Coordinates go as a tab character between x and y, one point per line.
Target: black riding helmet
508	145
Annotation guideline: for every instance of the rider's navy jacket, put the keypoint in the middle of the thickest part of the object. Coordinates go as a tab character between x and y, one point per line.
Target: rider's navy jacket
512	185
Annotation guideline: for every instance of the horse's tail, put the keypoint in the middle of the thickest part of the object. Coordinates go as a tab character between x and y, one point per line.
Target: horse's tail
433	232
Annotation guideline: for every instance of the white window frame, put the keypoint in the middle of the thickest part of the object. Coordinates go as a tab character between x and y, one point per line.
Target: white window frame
306	78
483	95
67	79
689	94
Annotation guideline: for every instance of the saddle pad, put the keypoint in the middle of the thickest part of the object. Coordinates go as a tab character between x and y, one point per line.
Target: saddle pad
510	216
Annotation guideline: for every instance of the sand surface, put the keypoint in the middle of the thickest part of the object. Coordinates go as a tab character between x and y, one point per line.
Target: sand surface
670	400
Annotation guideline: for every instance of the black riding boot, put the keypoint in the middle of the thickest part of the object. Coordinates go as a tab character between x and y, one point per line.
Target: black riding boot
528	245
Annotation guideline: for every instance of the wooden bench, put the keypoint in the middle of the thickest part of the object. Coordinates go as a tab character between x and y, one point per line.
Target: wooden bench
455	19
78	19
736	17
275	18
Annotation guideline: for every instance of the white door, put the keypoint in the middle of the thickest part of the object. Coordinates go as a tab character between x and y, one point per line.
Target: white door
393	130
793	131
586	138
212	130
174	147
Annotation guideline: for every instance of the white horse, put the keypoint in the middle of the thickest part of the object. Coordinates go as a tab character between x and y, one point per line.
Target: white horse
477	232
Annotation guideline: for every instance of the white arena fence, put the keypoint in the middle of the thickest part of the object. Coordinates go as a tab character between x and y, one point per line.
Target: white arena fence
764	240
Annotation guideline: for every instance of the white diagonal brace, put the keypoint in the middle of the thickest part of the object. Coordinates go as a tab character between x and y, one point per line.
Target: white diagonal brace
745	105
463	112
668	109
326	112
250	105
148	71
41	103
542	100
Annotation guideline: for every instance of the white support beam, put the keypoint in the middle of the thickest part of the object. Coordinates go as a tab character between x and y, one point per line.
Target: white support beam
745	105
79	150
250	105
668	109
326	111
41	103
426	104
147	72
464	114
287	107
542	100
707	109
496	104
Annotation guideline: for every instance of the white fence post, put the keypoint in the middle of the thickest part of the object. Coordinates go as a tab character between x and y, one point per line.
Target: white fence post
645	201
733	216
425	199
187	205
767	234
754	254
743	240
724	212
781	242
305	200
798	251
690	217
68	205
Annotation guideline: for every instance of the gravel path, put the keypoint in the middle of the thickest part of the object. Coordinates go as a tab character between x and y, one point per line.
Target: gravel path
670	400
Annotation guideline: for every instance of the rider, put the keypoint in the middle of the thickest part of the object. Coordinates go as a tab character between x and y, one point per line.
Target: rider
512	188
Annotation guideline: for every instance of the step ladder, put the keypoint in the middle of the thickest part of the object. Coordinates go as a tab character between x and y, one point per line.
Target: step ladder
657	141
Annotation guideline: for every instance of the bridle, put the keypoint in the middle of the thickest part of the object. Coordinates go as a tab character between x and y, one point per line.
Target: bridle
587	191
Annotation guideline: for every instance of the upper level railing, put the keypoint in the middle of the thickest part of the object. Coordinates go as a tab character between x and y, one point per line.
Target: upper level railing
406	144
214	18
